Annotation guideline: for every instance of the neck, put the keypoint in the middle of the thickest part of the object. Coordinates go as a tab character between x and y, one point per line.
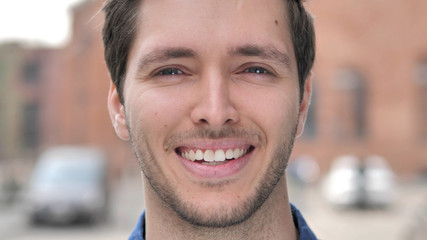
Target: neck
273	220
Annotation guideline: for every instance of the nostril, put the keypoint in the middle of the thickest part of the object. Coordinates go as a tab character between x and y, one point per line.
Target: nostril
203	120
210	114
228	121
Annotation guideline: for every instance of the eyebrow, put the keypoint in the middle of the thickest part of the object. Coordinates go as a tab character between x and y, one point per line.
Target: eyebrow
164	54
249	50
265	52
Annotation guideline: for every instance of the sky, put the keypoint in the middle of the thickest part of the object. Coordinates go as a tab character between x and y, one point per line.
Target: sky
36	22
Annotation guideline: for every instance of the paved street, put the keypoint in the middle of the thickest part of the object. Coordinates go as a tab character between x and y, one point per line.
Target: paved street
327	223
394	223
69	233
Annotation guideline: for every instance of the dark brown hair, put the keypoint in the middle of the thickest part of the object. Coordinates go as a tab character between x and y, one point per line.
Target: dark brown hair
121	19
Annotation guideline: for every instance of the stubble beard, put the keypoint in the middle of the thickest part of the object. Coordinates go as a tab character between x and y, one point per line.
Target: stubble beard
223	216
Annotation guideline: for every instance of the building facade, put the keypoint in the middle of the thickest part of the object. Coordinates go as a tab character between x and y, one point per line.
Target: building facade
370	82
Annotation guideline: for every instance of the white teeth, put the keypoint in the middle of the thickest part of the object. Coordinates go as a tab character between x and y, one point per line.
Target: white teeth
219	156
192	156
229	154
199	155
214	156
236	153
209	156
242	152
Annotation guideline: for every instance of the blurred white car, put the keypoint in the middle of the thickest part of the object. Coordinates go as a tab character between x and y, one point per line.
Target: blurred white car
353	182
68	184
379	182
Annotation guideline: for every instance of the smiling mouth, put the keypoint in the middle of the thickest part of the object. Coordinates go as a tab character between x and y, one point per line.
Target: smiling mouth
213	157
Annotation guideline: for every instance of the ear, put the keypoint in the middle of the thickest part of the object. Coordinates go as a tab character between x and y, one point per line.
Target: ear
117	113
303	108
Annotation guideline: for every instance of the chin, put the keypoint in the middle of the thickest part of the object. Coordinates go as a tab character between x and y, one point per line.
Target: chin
216	215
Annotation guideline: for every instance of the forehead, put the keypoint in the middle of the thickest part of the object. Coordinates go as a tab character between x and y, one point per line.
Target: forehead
211	9
212	25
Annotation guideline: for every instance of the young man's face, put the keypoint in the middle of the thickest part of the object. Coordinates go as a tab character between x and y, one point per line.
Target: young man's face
211	102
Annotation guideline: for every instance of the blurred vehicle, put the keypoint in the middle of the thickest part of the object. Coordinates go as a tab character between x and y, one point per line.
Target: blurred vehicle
342	184
353	182
379	184
68	184
303	169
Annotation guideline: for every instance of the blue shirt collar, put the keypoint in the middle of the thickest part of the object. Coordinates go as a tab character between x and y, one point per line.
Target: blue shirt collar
304	230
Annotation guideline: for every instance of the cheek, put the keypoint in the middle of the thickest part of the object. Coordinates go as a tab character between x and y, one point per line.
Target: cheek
154	112
279	121
271	109
274	113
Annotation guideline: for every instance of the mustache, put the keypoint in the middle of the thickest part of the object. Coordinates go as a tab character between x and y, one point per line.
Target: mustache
206	133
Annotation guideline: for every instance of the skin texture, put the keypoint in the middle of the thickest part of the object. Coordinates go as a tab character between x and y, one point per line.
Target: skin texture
212	74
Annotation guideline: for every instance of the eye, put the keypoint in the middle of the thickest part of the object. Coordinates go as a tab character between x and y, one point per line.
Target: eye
257	70
169	71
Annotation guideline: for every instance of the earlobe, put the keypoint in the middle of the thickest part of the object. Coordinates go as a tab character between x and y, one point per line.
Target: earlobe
117	113
303	109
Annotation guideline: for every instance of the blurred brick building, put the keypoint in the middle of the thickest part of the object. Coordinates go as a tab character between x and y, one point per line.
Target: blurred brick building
55	97
22	74
75	102
370	86
370	82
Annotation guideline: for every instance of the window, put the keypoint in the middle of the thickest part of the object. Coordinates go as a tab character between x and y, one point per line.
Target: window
351	104
421	85
30	125
31	72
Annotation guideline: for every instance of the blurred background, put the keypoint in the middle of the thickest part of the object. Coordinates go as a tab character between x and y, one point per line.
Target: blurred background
358	172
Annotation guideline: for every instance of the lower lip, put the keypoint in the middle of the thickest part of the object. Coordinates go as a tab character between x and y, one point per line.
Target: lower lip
216	171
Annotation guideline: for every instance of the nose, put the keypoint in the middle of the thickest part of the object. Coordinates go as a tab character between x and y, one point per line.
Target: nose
214	106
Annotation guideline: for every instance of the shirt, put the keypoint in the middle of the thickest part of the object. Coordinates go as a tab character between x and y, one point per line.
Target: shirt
301	225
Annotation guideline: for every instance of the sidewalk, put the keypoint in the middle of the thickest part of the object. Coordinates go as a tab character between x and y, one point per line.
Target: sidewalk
394	223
